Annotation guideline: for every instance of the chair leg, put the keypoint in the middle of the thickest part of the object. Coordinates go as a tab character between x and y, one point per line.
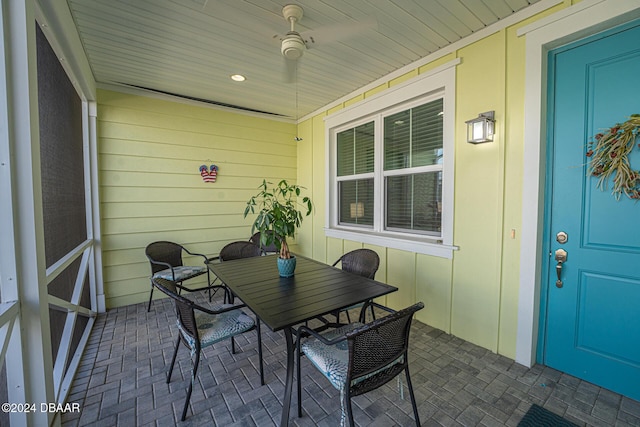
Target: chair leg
347	405
233	346
362	318
228	295
193	378
413	398
150	298
348	317
173	360
260	351
298	377
363	312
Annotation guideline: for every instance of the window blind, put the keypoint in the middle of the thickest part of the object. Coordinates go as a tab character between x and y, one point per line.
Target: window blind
413	137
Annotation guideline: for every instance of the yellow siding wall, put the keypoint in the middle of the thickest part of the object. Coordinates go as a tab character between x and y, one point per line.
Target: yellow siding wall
474	295
151	189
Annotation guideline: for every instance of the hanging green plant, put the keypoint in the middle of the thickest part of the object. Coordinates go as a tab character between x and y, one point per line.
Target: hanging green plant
609	155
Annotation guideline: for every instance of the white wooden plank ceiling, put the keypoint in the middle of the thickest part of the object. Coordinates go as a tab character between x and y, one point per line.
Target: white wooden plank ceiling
191	47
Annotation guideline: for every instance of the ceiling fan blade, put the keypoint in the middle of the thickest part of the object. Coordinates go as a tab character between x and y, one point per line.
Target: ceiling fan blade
340	31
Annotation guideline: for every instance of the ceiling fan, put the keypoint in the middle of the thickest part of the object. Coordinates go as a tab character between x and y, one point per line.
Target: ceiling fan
293	44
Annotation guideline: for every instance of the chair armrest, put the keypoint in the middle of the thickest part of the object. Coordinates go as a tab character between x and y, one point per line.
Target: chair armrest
371	303
383	320
311	332
165	264
220	311
380	306
194	253
208	260
204	288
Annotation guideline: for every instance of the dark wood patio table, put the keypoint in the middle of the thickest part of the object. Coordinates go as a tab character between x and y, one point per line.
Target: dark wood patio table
282	303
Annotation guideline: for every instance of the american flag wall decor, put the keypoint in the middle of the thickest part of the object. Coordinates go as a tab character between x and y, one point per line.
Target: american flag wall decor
210	174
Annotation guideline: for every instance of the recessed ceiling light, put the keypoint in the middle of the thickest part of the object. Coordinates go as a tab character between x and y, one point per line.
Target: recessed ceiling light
238	77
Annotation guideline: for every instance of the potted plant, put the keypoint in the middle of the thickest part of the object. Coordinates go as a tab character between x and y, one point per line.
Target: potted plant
278	217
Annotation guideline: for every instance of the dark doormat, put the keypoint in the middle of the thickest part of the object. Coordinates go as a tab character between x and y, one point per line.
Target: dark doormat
537	416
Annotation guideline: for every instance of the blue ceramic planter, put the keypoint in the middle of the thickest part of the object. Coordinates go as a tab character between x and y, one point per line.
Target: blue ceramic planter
286	267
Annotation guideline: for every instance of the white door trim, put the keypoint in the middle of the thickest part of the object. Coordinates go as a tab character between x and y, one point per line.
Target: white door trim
576	22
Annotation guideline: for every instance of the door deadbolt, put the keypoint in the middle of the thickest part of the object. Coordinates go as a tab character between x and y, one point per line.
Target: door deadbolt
562	237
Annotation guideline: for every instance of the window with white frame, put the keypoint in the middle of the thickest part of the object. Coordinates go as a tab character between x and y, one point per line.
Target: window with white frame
355	180
391	168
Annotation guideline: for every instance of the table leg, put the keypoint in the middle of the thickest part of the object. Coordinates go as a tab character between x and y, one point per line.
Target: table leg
286	402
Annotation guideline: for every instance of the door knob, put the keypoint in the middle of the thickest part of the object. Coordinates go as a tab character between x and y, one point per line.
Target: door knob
561	257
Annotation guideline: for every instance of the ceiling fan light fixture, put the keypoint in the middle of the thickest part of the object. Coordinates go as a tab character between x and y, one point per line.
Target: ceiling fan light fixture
292	46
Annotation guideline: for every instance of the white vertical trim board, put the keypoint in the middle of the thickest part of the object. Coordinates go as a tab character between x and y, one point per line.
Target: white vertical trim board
576	22
95	270
9	311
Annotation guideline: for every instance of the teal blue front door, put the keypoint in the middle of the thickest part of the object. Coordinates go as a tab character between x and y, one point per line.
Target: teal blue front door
591	301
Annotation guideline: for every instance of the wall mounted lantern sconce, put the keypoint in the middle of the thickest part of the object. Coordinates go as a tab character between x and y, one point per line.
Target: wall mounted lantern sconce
481	128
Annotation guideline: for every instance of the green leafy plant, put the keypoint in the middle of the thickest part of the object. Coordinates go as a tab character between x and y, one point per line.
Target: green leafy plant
278	213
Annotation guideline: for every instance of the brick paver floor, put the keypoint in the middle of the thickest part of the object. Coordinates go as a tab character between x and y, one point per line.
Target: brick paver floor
121	382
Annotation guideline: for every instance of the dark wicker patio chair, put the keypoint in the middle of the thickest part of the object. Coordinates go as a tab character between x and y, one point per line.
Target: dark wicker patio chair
239	250
363	262
358	358
201	327
268	249
166	263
